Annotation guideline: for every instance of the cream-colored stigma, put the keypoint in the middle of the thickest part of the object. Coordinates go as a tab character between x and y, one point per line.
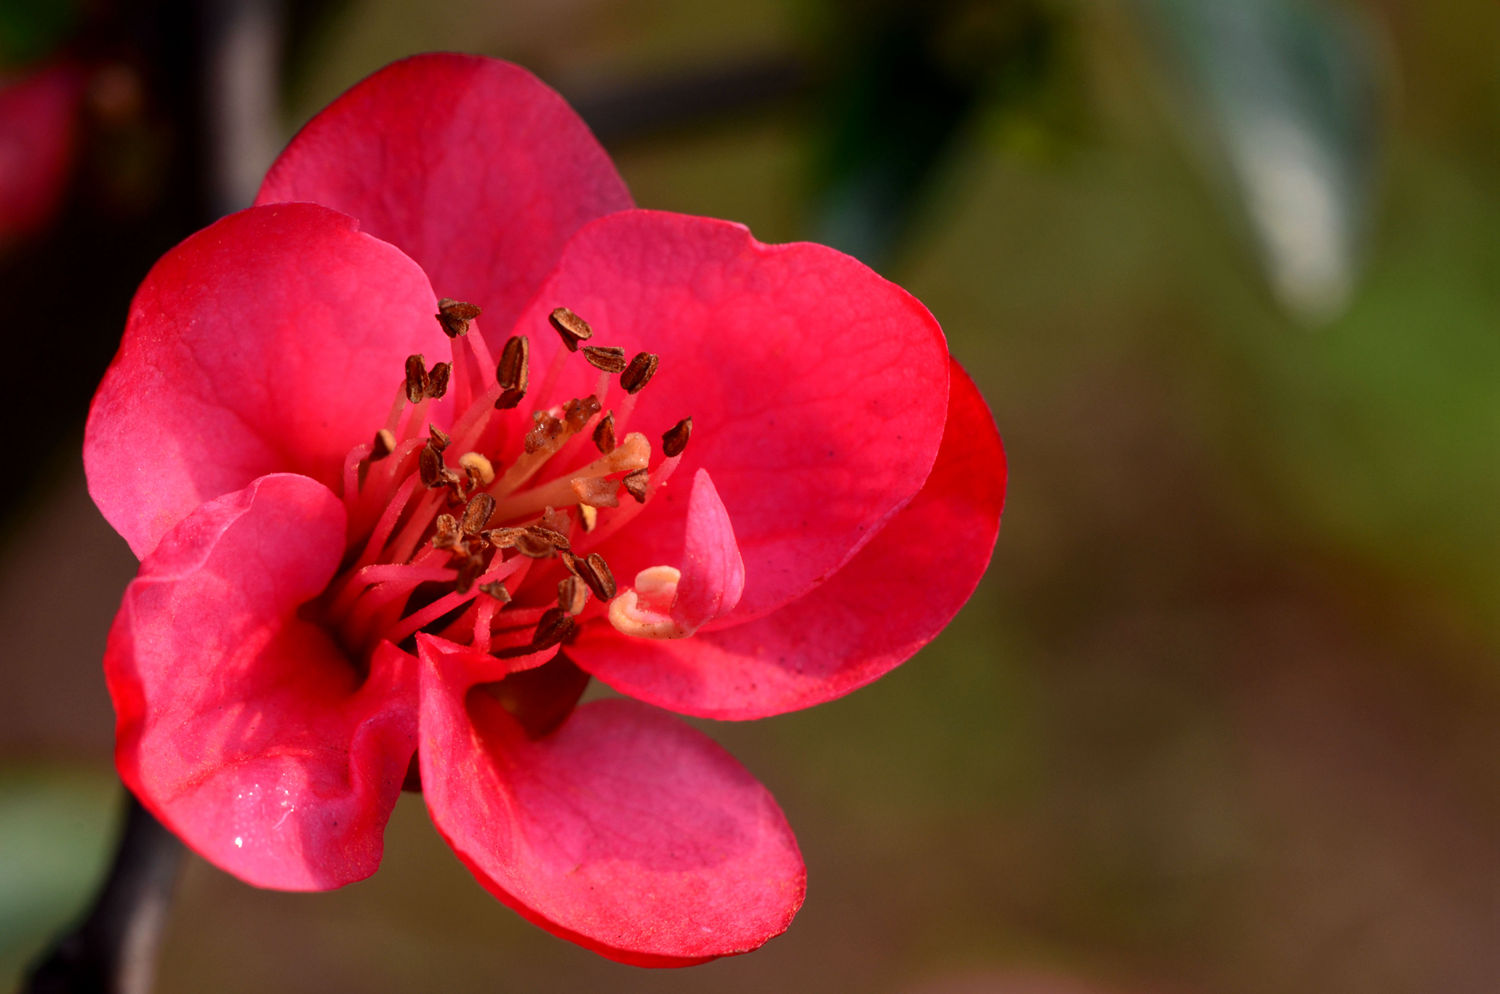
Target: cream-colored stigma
478	467
643	611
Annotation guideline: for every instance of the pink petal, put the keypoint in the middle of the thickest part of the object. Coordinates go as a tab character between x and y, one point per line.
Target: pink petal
270	341
472	166
891	599
38	133
624	830
817	389
243	727
713	575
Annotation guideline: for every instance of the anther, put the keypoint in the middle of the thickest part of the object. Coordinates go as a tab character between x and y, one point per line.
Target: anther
577	412
430	466
596	491
512	373
468	571
416	378
448	536
535	541
544	428
636	483
604	434
572	594
571	327
553	628
639	372
477	513
481	471
497	590
454	316
675	439
439	437
384	444
609	358
437	380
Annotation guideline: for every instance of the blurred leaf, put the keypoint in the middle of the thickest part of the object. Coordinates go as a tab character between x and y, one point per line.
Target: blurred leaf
1283	95
33	29
910	78
55	826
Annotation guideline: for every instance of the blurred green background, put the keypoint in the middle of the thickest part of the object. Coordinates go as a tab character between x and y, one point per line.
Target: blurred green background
1223	715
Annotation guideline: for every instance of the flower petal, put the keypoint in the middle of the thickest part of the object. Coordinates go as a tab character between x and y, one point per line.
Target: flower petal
270	341
624	830
817	389
891	599
474	167
713	574
241	726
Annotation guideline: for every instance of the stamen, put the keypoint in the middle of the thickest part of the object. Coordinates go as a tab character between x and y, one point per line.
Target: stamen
430	466
675	439
384	445
448	535
596	491
439	437
454	316
544	429
477	513
576	413
497	590
513	372
604	434
437	380
416	378
555	626
636	484
571	327
609	358
481	471
593	571
633	453
639	372
572	594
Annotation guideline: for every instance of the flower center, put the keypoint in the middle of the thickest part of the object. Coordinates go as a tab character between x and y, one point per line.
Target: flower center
485	534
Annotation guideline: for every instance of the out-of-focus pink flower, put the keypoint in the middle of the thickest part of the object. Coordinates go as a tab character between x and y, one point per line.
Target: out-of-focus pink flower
353	553
38	136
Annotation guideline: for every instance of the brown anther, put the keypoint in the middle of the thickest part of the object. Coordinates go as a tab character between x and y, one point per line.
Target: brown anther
576	413
384	444
477	513
596	491
639	372
675	438
469	570
571	327
588	517
609	358
416	378
497	590
512	372
430	466
437	380
448	536
509	399
636	484
504	538
439	437
598	576
557	539
454	316
604	433
572	594
544	428
533	547
554	627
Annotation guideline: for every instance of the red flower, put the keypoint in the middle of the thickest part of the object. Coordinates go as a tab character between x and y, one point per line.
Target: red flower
329	586
38	132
